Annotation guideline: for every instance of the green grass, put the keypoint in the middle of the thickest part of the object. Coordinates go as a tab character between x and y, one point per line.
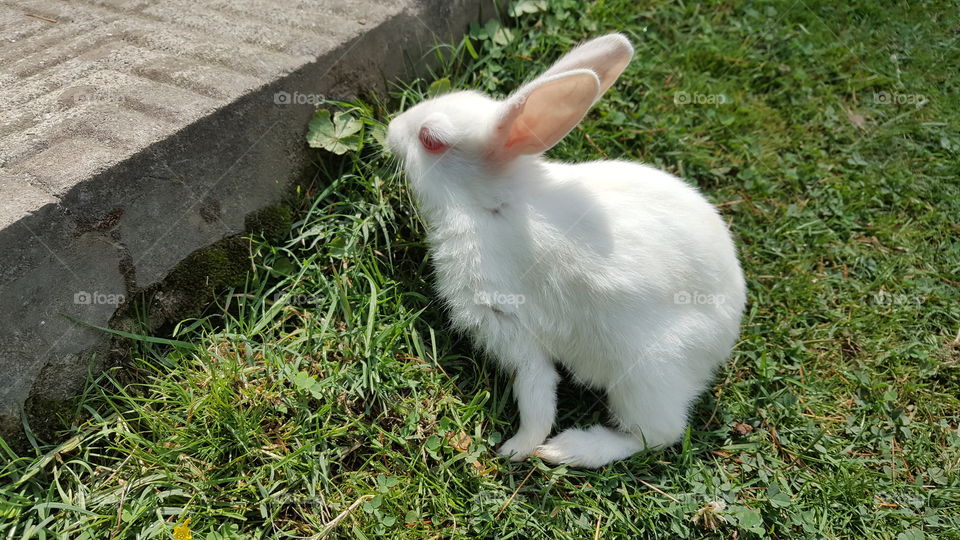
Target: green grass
331	385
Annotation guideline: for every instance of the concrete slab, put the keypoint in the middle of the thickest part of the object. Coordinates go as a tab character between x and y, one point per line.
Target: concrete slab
124	122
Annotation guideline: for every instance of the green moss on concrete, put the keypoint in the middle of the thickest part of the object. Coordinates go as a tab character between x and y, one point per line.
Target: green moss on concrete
48	417
209	269
207	272
273	223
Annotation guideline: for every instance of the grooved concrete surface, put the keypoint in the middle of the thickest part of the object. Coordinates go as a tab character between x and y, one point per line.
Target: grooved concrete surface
134	132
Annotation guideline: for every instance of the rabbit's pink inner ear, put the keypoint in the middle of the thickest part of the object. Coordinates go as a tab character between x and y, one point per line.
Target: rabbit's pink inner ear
607	56
540	114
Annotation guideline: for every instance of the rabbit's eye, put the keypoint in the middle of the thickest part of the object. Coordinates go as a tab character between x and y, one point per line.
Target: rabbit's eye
430	142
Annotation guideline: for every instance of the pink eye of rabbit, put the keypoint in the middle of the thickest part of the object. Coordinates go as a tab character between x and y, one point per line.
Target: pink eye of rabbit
430	143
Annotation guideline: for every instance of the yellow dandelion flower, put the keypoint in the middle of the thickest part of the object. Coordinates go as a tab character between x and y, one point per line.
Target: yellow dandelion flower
182	531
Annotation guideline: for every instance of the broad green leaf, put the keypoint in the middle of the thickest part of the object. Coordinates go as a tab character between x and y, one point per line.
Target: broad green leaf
497	32
439	86
749	520
338	134
304	380
527	6
283	266
491	27
503	36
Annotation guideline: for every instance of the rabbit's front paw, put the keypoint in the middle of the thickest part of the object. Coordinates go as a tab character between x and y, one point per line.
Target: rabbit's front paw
518	447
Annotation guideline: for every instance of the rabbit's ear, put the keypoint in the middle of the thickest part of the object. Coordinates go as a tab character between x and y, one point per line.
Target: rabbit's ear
538	115
607	56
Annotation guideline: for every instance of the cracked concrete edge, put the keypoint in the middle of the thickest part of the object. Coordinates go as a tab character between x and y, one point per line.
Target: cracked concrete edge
125	228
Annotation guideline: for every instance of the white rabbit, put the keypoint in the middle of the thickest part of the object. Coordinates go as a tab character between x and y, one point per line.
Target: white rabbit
620	272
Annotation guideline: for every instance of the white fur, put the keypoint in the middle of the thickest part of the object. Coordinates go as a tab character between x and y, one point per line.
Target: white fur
582	264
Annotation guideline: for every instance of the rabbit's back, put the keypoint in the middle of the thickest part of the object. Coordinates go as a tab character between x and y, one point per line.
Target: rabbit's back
608	263
656	278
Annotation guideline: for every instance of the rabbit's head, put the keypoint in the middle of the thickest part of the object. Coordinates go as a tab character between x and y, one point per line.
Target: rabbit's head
465	137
